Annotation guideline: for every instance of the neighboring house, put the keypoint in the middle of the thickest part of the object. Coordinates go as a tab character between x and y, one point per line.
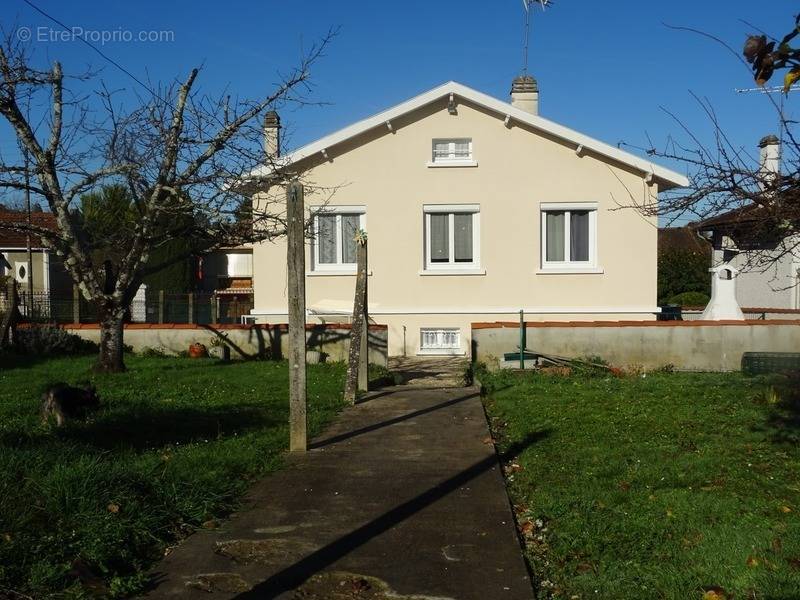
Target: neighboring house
46	272
475	209
228	274
769	267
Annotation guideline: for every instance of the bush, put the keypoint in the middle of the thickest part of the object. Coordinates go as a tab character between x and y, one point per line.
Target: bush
681	271
52	341
689	299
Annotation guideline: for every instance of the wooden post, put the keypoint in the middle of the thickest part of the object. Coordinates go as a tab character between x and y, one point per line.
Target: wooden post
214	309
357	364
296	272
160	306
76	304
190	309
8	331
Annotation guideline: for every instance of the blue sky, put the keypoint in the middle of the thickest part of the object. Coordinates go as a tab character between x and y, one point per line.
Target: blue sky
604	68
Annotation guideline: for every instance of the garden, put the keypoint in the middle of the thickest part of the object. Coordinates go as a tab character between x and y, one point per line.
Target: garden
86	509
653	485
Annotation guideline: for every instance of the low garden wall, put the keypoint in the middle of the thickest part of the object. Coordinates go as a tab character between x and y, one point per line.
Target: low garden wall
244	341
687	345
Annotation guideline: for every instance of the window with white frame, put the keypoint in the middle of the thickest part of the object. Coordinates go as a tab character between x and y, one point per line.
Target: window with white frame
436	339
452	151
335	228
452	236
569	235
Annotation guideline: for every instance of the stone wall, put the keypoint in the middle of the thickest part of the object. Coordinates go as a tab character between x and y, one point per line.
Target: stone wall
687	345
245	341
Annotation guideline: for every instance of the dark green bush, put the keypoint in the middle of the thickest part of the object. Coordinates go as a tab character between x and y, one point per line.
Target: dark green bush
52	341
689	299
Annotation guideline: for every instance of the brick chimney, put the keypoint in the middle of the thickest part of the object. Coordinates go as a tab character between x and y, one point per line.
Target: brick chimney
525	94
272	135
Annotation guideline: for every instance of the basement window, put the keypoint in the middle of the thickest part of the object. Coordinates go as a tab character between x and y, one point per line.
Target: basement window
452	152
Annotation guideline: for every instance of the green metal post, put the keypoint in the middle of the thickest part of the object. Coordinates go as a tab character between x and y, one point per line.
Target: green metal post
521	340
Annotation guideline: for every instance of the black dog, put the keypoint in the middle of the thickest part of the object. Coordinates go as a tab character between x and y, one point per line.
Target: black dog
62	402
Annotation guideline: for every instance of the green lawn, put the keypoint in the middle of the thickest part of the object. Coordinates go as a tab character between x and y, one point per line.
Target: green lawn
663	486
174	447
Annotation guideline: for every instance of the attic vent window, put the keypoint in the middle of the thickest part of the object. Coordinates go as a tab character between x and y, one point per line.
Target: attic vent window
452	152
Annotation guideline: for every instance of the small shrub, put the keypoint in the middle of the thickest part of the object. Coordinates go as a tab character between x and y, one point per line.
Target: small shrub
148	352
689	299
667	368
52	341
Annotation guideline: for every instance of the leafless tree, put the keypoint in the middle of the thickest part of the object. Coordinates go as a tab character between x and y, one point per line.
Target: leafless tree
730	188
181	154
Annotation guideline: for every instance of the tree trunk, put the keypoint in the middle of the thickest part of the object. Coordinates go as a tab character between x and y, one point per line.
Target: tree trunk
357	377
111	330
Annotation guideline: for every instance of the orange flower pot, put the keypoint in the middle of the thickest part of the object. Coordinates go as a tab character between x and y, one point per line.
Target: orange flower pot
198	351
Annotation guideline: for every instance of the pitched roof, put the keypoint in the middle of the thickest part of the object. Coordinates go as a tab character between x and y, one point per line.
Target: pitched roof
666	178
11	238
682	238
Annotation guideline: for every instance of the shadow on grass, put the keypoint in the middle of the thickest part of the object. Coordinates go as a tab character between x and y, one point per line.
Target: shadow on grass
783	420
141	428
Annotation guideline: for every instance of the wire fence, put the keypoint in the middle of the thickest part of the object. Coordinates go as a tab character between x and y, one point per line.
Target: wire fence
202	308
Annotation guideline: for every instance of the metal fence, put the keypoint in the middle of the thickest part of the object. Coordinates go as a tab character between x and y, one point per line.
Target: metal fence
156	307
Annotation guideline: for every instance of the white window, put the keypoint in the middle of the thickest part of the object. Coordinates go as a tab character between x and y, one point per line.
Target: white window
455	152
569	235
21	271
452	237
439	340
335	228
240	264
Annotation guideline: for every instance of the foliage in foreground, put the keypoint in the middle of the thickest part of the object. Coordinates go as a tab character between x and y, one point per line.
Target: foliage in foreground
663	486
173	448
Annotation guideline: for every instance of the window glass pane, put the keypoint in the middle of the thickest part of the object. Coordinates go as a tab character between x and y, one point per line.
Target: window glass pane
326	239
462	149
350	225
579	235
440	238
441	149
554	228
463	237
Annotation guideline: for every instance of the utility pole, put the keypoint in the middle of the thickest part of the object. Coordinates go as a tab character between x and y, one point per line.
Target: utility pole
296	290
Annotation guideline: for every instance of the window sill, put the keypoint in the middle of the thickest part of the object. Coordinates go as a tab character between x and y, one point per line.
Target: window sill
441	352
332	273
571	271
452	163
429	272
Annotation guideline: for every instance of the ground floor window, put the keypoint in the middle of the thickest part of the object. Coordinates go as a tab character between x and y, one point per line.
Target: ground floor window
569	235
452	237
334	232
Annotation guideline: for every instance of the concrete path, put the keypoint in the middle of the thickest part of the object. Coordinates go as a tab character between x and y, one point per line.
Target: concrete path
401	498
430	371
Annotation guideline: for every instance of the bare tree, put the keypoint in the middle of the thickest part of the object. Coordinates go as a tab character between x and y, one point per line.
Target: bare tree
182	156
731	188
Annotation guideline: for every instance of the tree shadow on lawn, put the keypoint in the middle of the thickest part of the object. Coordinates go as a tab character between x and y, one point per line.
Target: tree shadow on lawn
783	420
143	428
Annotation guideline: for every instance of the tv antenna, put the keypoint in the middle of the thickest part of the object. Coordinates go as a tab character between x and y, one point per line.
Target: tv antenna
771	90
527	4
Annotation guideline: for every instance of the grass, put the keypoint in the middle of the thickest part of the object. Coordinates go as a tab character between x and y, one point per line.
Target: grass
174	447
663	486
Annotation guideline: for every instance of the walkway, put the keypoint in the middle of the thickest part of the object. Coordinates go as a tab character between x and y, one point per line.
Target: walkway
401	498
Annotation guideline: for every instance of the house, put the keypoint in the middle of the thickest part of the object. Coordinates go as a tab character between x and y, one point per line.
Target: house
46	272
768	265
475	209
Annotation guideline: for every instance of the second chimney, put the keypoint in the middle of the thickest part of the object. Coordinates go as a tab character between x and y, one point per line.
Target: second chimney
525	94
272	135
770	157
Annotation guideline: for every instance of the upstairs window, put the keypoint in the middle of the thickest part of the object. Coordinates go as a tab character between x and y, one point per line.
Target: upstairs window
569	233
452	152
334	232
